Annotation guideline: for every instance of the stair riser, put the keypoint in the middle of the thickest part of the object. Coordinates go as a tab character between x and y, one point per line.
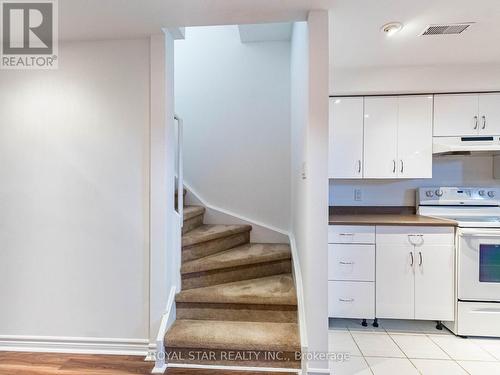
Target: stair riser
237	313
192	223
247	358
227	275
214	246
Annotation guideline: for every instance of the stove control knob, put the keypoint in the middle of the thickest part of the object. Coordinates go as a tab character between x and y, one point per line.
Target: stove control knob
482	193
491	194
439	193
429	193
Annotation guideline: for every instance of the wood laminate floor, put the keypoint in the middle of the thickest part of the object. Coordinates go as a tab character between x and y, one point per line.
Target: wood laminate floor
18	363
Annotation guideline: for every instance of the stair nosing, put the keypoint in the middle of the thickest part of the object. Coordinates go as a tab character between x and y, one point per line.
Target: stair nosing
234	346
181	296
236	229
188	215
222	266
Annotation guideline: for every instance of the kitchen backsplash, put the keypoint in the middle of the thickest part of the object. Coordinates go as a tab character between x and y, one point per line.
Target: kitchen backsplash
447	171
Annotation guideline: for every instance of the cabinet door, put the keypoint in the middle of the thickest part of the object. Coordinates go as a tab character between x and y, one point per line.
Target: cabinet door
456	115
380	137
434	282
394	281
415	136
346	138
489	114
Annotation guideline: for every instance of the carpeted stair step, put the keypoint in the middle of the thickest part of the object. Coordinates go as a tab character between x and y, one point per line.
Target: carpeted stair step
266	299
209	239
233	343
248	261
193	218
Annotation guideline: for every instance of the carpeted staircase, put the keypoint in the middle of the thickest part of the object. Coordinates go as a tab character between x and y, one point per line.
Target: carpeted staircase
238	305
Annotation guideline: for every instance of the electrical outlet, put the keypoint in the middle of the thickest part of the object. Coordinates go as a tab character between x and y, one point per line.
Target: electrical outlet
357	195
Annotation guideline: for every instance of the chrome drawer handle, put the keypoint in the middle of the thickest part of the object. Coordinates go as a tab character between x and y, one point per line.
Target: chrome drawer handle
346	300
346	234
346	263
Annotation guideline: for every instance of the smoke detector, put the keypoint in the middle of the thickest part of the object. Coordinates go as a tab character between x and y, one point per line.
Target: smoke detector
391	28
446	29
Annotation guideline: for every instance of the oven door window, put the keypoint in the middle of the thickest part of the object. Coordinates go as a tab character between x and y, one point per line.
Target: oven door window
489	263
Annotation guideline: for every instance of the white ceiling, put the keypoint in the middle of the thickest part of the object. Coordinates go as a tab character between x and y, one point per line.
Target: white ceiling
357	39
107	19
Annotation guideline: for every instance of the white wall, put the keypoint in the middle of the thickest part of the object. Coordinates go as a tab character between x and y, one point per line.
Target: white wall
309	67
414	79
74	196
447	171
235	101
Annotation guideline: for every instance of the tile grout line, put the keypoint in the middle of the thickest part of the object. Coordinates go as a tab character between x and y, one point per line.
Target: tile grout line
449	355
362	354
402	351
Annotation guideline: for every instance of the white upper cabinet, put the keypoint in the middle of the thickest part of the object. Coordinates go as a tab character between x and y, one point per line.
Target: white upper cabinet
398	137
456	115
415	136
346	138
489	114
380	137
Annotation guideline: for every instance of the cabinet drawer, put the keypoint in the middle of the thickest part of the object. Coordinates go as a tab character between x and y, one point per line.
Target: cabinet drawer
407	235
351	299
351	234
351	262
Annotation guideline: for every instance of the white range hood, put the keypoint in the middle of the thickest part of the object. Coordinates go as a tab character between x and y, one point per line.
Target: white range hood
466	145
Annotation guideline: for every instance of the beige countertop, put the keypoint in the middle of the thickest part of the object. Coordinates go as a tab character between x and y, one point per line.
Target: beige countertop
388	219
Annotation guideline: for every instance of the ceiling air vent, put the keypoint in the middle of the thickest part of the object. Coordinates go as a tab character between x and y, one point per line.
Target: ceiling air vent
450	29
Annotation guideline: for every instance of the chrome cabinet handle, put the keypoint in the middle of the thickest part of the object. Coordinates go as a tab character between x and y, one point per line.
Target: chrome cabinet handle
484	122
346	263
402	166
394	166
475	122
411	254
346	234
421	260
359	166
346	300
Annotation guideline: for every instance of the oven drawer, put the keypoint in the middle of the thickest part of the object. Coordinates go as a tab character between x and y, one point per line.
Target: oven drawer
479	319
351	262
351	234
351	299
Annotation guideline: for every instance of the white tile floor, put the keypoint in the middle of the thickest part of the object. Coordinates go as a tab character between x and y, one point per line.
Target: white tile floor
409	347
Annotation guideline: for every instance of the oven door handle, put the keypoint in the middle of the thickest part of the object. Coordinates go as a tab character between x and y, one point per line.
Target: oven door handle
493	235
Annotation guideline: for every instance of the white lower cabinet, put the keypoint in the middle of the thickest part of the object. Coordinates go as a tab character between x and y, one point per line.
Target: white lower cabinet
415	273
401	273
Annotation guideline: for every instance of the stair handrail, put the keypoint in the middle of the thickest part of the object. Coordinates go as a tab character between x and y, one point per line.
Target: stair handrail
180	166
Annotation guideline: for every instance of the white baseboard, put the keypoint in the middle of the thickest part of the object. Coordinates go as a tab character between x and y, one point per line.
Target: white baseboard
74	345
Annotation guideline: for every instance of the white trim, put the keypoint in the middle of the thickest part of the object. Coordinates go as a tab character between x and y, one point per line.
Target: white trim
166	321
234	368
260	232
74	345
312	370
297	277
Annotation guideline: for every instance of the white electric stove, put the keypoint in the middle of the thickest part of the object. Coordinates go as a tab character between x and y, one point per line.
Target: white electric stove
477	212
